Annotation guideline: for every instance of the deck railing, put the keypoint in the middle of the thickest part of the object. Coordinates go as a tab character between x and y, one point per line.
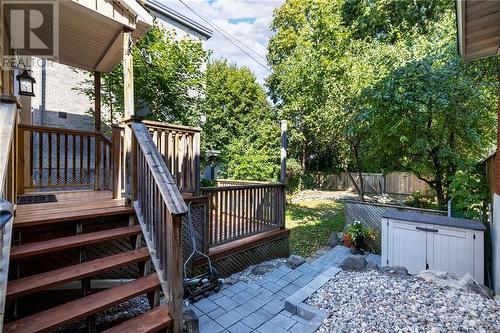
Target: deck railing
159	207
8	128
233	182
56	158
240	211
180	148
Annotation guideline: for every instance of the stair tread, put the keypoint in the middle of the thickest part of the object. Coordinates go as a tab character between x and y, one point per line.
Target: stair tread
151	321
34	283
74	213
57	244
83	307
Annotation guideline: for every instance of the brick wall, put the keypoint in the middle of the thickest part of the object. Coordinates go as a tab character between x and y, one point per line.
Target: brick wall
57	103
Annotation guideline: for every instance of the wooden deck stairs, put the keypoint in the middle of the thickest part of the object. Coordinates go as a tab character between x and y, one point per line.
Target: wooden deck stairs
37	230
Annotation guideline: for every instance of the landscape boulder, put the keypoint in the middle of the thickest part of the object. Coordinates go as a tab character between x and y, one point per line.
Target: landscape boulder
354	263
262	269
395	271
371	266
334	240
452	280
469	283
294	261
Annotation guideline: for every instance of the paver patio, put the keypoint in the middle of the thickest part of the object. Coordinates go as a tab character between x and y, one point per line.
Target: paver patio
259	306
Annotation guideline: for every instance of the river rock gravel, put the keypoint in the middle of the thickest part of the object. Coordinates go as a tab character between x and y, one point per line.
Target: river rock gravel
253	273
376	302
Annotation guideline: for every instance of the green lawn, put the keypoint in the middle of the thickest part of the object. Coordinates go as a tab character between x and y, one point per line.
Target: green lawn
311	223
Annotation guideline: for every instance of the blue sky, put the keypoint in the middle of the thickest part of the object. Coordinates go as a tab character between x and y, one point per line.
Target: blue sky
247	20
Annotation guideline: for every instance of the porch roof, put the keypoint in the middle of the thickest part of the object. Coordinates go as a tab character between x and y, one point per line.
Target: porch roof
478	24
90	34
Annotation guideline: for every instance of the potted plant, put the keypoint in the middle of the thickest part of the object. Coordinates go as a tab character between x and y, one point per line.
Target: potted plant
355	236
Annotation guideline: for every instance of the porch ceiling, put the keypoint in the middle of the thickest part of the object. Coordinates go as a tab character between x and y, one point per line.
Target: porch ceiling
91	32
478	25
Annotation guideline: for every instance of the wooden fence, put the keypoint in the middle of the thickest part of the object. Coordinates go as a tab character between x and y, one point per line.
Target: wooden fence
394	182
370	215
55	158
240	211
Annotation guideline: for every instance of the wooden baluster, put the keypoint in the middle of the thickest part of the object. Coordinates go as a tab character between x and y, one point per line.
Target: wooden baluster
81	160
213	210
32	157
40	159
107	157
226	210
97	162
163	147
170	153
232	215
66	151
117	162
283	207
240	212
58	158
74	159
89	154
246	202
251	209
49	148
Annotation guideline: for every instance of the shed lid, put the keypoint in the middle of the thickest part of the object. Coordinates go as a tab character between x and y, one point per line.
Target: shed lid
434	219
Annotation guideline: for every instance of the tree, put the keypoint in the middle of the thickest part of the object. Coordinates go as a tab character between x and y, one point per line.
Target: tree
168	78
432	112
239	123
378	86
319	72
389	20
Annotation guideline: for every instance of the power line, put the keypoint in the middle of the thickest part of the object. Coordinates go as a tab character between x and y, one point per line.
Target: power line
216	28
237	40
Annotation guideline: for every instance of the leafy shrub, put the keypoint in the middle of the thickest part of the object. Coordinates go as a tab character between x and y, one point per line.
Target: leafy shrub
293	175
247	161
208	183
468	192
422	200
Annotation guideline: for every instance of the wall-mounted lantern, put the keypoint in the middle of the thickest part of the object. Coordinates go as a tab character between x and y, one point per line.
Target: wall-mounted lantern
26	82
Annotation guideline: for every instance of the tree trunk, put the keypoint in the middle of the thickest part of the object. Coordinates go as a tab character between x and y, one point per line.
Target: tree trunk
303	159
361	188
439	184
360	192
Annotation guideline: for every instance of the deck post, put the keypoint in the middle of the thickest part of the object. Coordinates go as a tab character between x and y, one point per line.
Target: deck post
20	161
128	108
196	151
283	151
97	122
174	273
97	101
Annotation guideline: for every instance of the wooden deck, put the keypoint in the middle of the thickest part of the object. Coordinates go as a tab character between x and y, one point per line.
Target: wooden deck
71	206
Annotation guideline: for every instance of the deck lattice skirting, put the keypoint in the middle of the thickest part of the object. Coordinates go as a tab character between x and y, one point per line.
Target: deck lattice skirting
233	260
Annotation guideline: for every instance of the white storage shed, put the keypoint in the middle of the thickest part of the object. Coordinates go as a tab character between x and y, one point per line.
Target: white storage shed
421	241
